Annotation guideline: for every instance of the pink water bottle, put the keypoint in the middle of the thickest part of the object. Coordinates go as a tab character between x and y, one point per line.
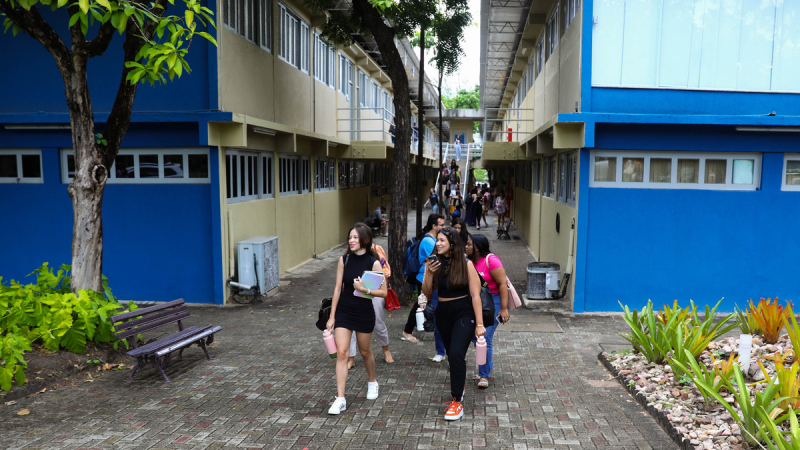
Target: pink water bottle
330	343
480	351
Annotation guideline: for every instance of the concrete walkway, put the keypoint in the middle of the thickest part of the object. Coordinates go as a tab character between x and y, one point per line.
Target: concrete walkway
271	382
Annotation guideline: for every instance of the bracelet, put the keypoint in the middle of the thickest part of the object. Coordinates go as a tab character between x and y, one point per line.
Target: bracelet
480	326
368	291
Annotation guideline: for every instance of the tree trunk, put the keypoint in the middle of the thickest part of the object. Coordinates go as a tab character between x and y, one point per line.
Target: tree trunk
86	190
420	103
398	214
441	135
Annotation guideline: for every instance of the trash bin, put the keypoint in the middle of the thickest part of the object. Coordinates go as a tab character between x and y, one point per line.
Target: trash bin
538	277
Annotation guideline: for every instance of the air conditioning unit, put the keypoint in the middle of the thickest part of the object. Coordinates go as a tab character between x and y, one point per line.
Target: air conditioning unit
258	263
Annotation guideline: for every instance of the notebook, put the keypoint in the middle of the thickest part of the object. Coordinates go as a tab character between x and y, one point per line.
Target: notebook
371	280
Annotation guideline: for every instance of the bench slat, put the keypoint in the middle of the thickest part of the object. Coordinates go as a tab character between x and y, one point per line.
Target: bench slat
149	309
187	341
149	318
168	340
151	325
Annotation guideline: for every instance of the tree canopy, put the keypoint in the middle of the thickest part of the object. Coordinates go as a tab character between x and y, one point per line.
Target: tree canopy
464	99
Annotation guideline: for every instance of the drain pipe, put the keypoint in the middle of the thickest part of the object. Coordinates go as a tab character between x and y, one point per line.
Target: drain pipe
562	292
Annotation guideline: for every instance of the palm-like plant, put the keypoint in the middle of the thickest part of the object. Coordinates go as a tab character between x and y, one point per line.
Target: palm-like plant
770	317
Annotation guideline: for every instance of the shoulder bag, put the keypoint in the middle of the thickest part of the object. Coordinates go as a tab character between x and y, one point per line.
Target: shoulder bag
514	301
324	313
487	302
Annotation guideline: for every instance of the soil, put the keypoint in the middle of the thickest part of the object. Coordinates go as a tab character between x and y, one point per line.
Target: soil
54	370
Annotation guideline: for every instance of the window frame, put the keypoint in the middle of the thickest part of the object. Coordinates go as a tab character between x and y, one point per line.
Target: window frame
552	32
324	174
786	158
262	159
345	76
294	44
19	179
299	168
136	152
537	176
571	8
757	158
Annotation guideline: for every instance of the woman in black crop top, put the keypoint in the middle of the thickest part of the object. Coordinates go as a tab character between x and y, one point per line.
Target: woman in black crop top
459	315
350	313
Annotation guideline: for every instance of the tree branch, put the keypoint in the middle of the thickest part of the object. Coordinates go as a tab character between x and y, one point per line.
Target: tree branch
120	117
34	24
98	45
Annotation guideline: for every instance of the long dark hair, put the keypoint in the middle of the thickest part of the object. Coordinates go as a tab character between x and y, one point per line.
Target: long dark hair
480	247
464	233
456	273
364	239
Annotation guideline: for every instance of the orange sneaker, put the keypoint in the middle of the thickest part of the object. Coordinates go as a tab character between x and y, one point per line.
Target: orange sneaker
454	411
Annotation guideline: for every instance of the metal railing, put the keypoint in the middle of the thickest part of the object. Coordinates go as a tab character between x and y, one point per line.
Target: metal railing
368	124
490	134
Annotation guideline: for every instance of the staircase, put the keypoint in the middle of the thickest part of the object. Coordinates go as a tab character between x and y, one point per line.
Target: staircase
469	153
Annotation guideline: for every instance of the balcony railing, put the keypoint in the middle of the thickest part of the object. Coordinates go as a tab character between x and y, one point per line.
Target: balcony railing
370	124
490	134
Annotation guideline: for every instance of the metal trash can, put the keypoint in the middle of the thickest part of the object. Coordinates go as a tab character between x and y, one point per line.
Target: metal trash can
538	277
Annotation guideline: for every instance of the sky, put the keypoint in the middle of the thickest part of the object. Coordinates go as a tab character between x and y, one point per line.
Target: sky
468	73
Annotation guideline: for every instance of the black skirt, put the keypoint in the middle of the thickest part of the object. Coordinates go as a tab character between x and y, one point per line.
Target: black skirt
355	314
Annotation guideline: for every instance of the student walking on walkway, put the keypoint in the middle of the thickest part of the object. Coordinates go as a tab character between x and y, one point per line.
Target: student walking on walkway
459	314
492	271
379	305
351	314
432	227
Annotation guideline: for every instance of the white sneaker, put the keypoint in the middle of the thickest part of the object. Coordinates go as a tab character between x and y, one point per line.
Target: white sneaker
339	405
438	358
372	390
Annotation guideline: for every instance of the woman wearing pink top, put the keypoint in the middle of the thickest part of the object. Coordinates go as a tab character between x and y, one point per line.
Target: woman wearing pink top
491	269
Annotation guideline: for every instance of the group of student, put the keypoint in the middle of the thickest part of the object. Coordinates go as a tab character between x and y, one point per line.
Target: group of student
454	264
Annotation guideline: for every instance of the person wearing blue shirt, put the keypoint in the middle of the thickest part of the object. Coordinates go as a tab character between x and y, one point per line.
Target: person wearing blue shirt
426	246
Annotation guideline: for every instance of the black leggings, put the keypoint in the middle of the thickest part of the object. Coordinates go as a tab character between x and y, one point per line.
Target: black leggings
411	323
455	320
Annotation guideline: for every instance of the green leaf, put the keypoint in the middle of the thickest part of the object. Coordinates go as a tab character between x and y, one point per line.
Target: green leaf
20	375
84	6
74	19
6	377
74	339
104	3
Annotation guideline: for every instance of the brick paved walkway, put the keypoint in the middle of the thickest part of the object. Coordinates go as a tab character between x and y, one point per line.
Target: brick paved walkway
271	383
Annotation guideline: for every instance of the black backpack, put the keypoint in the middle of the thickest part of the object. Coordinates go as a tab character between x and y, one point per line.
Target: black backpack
324	313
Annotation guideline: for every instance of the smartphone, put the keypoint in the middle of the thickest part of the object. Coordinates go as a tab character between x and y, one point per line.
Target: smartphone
431	258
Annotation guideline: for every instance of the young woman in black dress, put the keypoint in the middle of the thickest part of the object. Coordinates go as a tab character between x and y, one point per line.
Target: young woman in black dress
354	314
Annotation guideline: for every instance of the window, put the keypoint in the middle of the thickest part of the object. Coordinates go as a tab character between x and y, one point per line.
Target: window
387	106
571	8
345	76
361	87
791	172
549	177
294	175
567	177
324	174
324	61
139	166
249	175
380	173
346	179
537	176
251	19
732	45
551	32
526	173
540	56
361	174
294	37
675	170
21	166
376	98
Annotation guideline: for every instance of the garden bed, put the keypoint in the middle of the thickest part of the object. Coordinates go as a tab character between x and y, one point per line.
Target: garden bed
49	371
678	406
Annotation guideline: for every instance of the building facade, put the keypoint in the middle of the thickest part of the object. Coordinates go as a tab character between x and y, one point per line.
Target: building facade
667	131
274	133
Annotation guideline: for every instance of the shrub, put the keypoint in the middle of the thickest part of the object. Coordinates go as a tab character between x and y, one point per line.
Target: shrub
650	335
788	380
770	318
770	430
49	313
746	322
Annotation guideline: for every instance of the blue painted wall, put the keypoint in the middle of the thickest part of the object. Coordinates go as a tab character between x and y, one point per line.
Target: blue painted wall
158	242
36	85
690	244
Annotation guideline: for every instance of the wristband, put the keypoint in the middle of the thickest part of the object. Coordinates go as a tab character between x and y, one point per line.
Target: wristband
368	291
480	326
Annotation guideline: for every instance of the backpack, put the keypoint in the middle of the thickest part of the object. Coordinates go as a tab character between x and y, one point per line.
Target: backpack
324	313
411	264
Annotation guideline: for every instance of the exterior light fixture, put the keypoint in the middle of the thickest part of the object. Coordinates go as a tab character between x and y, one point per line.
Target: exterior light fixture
267	131
38	126
771	129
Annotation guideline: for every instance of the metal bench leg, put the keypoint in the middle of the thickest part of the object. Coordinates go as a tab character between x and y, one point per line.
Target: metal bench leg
139	364
157	365
180	354
202	344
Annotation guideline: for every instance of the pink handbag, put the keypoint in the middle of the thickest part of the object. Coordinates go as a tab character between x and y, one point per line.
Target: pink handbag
514	301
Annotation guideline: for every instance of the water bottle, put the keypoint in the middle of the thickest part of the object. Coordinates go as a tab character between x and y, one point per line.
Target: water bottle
420	320
330	343
480	351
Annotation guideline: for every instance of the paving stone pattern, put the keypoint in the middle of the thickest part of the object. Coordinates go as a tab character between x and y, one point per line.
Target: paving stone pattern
271	382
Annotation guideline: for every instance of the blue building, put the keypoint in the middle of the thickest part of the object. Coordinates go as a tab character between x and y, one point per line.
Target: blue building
668	131
274	133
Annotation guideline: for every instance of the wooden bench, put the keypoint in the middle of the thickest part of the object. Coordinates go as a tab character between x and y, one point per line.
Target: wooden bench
503	231
159	352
